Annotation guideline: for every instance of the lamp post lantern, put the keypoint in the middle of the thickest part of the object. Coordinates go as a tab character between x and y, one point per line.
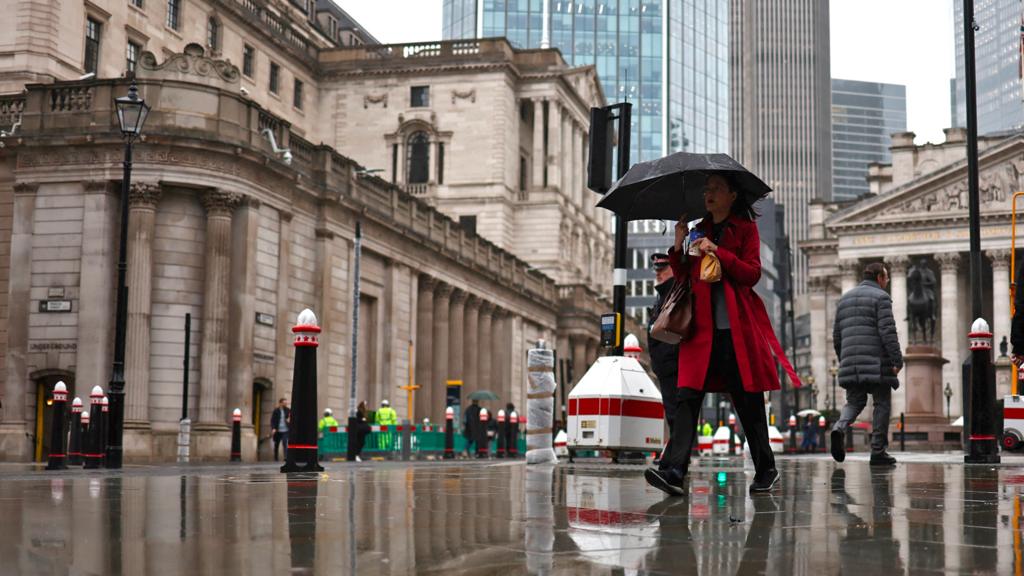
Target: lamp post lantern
132	111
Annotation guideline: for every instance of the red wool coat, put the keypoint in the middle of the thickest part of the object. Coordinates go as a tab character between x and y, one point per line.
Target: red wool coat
756	347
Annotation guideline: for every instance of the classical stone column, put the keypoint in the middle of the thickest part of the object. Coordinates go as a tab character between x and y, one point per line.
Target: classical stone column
817	288
284	344
898	289
214	354
574	165
441	372
242	318
96	315
579	358
851	274
142	202
1000	295
14	443
554	144
457	336
484	346
538	143
424	345
565	155
471	341
953	334
592	351
323	296
498	345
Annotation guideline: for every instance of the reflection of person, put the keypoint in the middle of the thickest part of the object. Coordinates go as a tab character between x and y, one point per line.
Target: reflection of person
755	547
664	357
716	358
675	543
279	422
865	340
358	429
867	544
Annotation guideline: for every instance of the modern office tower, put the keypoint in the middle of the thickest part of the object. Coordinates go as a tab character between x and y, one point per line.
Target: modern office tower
998	44
864	117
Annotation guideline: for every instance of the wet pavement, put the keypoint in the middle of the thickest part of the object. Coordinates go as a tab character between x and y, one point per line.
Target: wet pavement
929	515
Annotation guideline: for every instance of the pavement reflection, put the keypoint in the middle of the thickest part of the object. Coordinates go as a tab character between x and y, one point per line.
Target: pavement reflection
505	518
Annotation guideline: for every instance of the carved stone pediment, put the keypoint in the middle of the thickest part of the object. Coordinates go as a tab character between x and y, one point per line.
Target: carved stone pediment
189	65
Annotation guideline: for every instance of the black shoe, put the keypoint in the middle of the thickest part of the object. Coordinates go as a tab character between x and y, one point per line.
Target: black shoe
838	446
765	482
660	480
882	459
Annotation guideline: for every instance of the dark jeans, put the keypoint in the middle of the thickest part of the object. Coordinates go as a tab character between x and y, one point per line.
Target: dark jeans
856	400
749	408
669	385
279	438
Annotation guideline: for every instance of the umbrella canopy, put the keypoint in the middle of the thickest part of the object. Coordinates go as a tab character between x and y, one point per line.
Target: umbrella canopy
808	412
667	188
483	395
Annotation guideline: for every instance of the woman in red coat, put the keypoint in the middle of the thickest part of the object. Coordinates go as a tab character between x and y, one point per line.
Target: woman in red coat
732	348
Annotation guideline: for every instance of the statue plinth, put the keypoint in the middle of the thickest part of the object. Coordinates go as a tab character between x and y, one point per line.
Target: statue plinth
925	419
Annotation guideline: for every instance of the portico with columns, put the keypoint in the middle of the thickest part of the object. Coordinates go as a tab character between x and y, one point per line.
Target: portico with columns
918	215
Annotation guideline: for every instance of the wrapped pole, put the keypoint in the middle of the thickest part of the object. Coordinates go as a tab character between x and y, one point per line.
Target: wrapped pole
93	455
236	435
58	435
75	447
302	446
540	405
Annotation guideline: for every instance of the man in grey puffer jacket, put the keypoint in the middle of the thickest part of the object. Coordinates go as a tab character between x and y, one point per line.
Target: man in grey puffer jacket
868	347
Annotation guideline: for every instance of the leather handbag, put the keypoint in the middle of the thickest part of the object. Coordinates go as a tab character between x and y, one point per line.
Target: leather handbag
675	320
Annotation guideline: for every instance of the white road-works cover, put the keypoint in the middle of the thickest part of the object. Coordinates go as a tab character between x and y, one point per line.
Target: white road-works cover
616	406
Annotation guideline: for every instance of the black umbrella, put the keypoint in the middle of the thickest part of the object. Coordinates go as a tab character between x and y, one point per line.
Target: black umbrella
667	188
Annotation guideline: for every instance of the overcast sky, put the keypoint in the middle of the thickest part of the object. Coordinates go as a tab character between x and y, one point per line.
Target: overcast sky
906	42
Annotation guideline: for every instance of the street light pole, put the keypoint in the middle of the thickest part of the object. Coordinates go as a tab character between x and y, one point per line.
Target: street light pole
131	115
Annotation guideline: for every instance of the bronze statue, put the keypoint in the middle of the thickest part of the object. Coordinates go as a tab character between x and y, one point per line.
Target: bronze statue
921	302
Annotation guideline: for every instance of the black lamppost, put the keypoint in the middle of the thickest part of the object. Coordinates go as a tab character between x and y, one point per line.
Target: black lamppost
131	115
834	371
948	393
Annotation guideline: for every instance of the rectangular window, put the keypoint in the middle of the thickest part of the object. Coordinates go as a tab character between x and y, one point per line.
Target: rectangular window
248	60
394	163
136	3
522	173
132	56
275	72
297	94
420	96
468	222
440	162
173	14
92	45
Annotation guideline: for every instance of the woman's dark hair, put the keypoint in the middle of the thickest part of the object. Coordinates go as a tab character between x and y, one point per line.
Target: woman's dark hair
873	271
741	206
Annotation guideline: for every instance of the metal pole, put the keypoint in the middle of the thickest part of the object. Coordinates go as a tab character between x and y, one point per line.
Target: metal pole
983	447
621	231
115	389
185	363
792	323
355	322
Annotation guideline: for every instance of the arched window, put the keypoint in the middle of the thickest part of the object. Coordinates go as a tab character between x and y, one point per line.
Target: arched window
417	166
212	33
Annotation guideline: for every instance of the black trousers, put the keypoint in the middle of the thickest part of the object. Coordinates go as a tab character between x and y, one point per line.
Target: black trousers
669	385
749	408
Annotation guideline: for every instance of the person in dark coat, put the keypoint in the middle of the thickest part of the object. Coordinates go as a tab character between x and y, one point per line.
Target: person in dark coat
868	347
358	430
664	357
732	347
280	420
471	421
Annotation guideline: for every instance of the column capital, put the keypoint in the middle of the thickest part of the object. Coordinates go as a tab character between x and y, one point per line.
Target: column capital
219	203
442	290
849	266
817	284
144	194
324	233
25	188
427	283
898	263
285	215
948	261
486	308
1000	258
459	296
472	301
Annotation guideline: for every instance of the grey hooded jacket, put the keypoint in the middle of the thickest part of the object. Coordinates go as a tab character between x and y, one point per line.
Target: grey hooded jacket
865	338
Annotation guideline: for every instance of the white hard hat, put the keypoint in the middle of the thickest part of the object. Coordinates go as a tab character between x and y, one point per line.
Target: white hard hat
385	403
328	412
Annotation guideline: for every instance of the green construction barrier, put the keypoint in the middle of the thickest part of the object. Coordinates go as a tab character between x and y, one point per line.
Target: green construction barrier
389	444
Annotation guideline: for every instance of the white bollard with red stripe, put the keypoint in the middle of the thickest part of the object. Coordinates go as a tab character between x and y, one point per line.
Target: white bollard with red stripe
720	441
704	445
776	440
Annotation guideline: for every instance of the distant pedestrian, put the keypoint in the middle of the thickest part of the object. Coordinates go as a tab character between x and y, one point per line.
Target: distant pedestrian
386	416
327	423
664	357
810	442
868	347
358	429
279	422
470	422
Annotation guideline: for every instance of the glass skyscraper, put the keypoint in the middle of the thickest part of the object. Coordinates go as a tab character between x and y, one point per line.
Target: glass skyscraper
670	58
998	44
864	116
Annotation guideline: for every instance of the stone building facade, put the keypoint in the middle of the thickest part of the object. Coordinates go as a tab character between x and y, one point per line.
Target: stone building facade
223	228
917	214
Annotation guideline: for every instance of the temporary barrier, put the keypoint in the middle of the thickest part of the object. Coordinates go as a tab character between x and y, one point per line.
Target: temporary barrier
385	442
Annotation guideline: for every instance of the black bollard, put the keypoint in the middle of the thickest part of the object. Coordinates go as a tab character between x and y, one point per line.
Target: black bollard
58	433
93	448
501	434
302	447
732	434
236	435
512	443
903	433
104	427
482	444
821	432
86	437
449	433
75	446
